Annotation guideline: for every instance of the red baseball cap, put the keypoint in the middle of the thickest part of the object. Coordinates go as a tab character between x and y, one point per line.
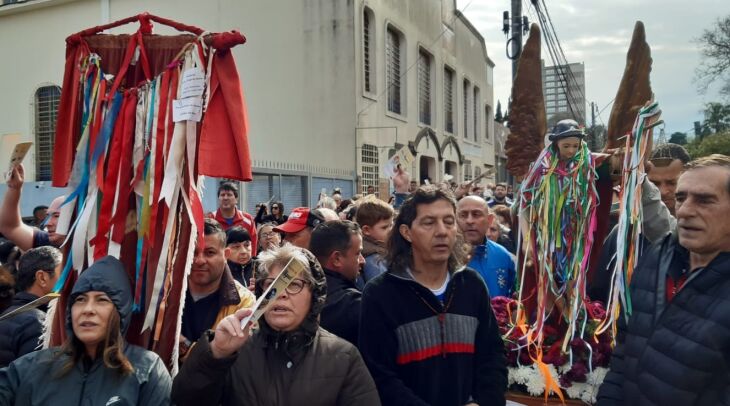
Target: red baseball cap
300	218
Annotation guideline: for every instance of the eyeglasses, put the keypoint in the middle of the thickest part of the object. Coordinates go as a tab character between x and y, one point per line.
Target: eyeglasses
274	207
265	235
295	287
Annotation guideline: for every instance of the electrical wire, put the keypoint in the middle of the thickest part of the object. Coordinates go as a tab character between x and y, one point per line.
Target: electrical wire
557	55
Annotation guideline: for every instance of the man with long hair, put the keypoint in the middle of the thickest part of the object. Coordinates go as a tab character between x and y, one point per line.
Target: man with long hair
427	331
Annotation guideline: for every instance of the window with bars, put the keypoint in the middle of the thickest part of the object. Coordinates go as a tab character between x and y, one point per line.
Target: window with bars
367	40
424	87
467	172
47	99
393	45
465	93
487	123
448	100
370	167
475	112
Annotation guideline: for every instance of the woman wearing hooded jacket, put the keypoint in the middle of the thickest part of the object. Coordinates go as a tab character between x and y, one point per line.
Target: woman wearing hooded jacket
95	365
289	360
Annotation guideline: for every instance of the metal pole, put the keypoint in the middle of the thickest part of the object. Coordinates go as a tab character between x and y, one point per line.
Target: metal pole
516	35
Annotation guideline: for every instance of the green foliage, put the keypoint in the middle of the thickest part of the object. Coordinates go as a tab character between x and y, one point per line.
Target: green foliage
498	117
678	138
717	118
712	144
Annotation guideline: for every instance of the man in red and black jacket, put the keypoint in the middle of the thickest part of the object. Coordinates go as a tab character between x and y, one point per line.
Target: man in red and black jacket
229	216
427	331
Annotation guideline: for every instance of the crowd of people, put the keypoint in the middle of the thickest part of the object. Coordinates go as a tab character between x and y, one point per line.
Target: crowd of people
393	306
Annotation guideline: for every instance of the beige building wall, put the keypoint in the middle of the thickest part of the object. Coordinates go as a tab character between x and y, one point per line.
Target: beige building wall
438	28
301	70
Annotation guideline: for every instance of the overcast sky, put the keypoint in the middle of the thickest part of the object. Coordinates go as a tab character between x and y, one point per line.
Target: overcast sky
598	33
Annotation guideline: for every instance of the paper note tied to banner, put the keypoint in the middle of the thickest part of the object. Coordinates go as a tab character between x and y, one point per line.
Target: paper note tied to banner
192	84
187	109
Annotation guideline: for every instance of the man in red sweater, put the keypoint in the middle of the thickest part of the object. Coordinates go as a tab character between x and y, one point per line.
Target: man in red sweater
229	216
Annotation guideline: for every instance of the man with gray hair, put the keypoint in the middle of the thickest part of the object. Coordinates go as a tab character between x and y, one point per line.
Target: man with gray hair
673	350
38	271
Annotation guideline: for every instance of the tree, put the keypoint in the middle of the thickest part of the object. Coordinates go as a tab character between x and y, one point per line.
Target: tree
506	113
717	118
596	138
713	144
715	47
498	117
678	138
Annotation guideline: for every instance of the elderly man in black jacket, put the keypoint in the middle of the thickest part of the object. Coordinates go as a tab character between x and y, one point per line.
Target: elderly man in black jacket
338	248
675	348
38	271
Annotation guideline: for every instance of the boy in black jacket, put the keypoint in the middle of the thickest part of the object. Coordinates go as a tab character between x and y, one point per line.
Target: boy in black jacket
427	331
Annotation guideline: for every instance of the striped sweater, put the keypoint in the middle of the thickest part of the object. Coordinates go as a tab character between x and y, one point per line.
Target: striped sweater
420	351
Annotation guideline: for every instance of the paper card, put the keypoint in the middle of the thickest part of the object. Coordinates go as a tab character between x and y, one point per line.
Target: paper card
405	156
192	84
187	109
19	153
292	269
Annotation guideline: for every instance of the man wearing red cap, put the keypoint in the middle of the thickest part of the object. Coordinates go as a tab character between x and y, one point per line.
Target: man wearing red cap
298	228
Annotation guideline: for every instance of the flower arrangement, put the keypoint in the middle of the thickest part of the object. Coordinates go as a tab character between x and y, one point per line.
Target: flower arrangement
579	371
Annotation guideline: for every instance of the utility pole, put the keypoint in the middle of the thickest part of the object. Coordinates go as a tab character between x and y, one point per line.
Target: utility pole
593	114
516	35
519	26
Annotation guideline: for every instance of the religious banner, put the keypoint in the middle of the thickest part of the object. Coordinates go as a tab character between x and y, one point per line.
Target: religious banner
141	118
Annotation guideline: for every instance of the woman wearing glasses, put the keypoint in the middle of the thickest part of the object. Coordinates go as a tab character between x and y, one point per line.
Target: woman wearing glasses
288	360
277	214
268	238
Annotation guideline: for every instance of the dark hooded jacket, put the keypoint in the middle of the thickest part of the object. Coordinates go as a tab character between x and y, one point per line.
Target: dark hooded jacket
307	366
35	378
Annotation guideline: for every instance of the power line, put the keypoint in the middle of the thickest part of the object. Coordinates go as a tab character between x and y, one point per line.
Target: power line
560	62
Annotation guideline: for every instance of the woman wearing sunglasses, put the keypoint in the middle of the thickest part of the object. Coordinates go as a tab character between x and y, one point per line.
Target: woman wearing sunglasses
289	360
277	214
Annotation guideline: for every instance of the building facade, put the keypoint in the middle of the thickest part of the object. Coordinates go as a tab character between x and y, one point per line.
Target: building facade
333	88
564	88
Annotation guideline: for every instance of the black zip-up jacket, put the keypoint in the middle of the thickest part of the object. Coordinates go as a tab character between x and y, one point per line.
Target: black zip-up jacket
677	352
420	351
19	334
341	313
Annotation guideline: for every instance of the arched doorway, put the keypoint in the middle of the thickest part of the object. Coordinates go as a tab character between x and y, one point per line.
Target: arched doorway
426	169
